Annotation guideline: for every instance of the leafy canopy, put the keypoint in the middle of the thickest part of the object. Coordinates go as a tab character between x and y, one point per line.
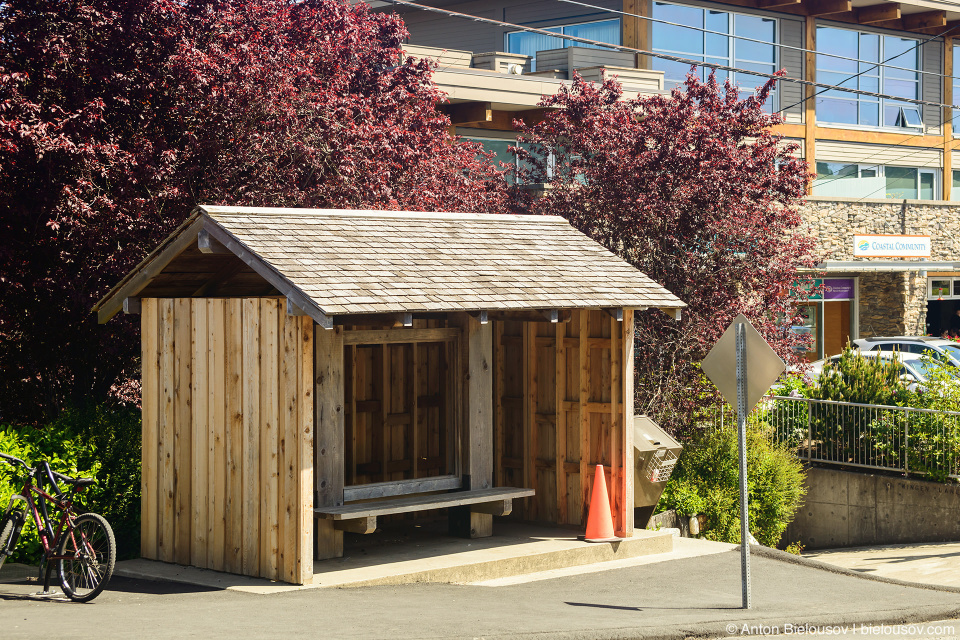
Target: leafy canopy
695	191
118	117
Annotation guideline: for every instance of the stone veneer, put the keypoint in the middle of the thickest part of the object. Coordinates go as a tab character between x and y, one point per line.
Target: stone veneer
891	303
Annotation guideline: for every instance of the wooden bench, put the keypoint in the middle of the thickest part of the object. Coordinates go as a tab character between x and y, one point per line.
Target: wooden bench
361	517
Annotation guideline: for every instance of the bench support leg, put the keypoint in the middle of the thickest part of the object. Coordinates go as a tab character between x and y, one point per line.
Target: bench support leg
463	523
329	543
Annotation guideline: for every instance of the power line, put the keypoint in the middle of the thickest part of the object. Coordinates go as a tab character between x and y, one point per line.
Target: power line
748	39
695	63
874	65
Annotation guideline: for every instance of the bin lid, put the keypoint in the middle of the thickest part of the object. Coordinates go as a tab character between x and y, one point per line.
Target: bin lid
647	435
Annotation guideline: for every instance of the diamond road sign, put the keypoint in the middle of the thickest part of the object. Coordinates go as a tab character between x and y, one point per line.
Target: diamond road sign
764	366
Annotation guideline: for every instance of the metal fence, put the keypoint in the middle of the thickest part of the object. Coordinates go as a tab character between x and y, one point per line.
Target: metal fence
916	441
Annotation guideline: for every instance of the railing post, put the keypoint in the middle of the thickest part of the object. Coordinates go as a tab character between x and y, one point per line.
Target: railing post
906	442
809	433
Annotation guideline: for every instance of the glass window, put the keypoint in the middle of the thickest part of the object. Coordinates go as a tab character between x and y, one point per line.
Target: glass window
955	191
842	107
528	44
939	288
862	181
715	48
956	88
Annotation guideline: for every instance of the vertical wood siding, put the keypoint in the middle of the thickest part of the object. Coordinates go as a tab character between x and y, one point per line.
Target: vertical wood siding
563	392
228	436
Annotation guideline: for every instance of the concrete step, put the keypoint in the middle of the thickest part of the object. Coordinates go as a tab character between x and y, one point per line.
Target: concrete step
423	553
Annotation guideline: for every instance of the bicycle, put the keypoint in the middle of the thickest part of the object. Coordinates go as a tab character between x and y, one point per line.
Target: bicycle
82	547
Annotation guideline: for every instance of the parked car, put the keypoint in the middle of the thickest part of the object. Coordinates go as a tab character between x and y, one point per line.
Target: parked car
941	347
914	369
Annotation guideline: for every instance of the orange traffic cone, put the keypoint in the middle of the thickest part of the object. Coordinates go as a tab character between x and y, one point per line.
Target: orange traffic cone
600	520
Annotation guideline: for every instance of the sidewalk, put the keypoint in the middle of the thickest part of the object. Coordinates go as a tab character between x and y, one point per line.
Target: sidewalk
677	598
936	563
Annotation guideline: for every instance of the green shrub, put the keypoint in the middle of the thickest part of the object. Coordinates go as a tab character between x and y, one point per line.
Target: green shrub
104	443
706	480
861	379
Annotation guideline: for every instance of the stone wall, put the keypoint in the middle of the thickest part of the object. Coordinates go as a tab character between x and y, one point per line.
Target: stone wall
846	509
891	303
836	220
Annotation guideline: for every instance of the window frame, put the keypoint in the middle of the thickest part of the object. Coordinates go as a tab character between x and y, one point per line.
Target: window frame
881	77
881	170
731	58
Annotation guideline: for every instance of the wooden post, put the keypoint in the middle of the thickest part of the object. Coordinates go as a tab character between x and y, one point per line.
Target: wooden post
166	487
271	317
250	552
305	453
201	430
810	105
636	31
150	385
216	456
560	413
616	429
329	437
478	432
584	398
627	329
233	535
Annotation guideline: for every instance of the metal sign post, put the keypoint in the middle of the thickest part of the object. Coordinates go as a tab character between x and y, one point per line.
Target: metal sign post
742	441
739	345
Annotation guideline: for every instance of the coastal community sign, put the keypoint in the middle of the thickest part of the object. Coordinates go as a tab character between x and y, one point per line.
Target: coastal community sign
891	246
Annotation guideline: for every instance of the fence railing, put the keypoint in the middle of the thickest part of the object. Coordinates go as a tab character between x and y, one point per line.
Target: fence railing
906	439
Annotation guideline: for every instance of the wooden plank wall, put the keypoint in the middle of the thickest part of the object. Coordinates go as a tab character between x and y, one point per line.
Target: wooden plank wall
398	410
228	436
559	411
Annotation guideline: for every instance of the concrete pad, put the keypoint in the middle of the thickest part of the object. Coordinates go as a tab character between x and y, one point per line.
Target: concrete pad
419	553
936	563
682	548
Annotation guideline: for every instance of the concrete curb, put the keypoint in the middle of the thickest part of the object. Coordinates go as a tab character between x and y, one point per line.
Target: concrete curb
776	554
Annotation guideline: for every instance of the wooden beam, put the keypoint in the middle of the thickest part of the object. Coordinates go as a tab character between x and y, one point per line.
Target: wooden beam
827	7
770	4
616	313
131	305
673	312
268	272
374	319
111	304
924	20
364	525
329	438
400	488
877	13
499	508
207	244
530	315
464	114
224	273
394	336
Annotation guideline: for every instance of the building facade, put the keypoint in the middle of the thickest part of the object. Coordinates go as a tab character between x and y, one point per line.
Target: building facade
882	152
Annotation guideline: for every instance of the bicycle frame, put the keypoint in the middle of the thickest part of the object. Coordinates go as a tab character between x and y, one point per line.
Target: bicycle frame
48	538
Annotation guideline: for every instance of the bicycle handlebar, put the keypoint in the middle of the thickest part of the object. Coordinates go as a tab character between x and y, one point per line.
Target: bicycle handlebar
52	476
12	460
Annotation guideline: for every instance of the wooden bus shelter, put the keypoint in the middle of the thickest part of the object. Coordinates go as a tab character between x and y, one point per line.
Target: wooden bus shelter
306	372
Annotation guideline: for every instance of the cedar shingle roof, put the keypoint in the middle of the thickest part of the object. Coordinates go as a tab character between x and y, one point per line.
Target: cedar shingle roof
381	262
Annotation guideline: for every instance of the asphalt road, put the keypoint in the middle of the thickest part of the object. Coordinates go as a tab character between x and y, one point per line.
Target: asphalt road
674	599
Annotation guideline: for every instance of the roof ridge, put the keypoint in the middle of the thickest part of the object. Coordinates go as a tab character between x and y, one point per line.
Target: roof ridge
214	211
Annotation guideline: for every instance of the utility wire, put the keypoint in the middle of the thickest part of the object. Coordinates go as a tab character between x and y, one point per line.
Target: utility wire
873	65
695	63
826	87
748	39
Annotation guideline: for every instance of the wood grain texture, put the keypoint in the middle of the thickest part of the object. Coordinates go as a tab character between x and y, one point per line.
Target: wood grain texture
233	535
289	457
304	498
200	429
217	455
328	465
627	329
271	314
165	445
150	385
251	421
182	432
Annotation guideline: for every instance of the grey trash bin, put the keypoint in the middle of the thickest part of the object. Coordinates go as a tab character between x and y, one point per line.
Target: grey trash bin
655	456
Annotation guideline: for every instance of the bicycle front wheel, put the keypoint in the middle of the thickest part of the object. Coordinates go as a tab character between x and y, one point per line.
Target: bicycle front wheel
90	552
